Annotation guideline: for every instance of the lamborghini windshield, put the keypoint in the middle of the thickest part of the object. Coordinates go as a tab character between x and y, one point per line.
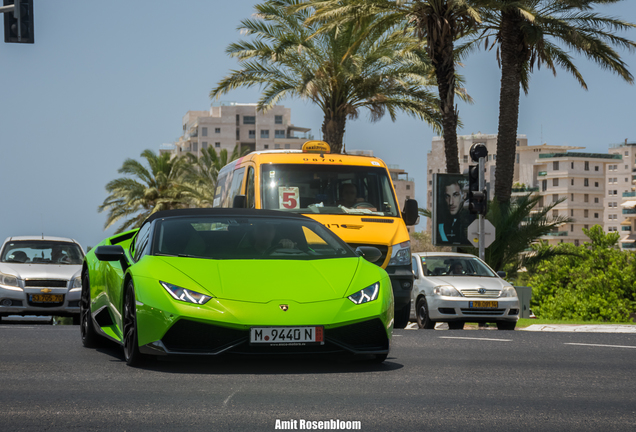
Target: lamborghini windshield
328	189
219	237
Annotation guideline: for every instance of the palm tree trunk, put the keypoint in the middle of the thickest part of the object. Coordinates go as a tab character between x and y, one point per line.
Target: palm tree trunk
441	53
512	55
333	128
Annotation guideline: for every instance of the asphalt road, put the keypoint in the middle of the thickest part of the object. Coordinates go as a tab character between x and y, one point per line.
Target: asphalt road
478	380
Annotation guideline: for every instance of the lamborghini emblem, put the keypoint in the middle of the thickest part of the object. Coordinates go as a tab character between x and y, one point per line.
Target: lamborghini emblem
46	290
284	308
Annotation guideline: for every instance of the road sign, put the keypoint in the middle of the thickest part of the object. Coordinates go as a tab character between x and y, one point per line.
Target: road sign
489	233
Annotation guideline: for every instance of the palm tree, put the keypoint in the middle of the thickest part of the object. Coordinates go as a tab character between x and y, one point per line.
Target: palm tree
543	32
338	70
148	191
440	22
200	174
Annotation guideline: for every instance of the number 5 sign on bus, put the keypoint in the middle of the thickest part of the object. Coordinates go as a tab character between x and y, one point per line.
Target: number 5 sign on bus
288	198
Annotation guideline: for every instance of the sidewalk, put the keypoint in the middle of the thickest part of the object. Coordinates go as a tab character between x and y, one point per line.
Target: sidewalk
600	328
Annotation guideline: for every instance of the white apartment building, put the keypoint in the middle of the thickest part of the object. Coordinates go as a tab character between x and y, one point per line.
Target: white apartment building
620	201
226	125
581	180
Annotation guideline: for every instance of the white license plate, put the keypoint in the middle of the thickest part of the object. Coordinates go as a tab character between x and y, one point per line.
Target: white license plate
287	335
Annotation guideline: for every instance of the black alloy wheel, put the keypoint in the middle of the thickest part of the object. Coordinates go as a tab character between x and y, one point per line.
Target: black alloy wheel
423	318
90	338
131	345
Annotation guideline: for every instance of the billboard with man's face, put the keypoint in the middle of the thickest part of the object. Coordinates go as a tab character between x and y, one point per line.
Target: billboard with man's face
450	218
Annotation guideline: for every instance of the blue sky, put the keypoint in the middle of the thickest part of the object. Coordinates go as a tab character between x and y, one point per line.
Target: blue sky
106	80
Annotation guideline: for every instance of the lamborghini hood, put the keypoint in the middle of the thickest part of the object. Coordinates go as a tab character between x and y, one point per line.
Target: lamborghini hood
262	281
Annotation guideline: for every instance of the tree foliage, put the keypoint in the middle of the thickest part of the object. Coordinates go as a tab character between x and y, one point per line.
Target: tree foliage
342	71
591	282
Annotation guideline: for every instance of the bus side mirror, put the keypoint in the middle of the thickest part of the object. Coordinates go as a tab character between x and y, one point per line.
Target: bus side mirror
239	201
410	213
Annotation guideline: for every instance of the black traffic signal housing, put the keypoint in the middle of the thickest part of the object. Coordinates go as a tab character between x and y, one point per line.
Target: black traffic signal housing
18	25
477	200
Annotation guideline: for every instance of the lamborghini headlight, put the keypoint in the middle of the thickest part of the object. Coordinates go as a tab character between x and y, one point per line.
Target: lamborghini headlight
184	294
9	281
366	295
401	254
508	292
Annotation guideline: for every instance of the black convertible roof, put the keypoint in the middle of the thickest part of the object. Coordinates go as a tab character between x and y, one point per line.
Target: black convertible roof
240	212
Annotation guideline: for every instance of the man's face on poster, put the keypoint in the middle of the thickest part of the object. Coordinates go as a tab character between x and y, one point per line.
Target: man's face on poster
453	196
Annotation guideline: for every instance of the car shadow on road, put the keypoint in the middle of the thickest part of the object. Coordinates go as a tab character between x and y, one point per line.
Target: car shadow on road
257	364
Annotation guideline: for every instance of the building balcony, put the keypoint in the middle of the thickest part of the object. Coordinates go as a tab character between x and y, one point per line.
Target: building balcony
629	194
628	245
557	234
629	211
525	190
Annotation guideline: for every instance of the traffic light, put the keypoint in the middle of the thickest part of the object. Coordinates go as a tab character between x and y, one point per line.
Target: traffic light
18	25
477	200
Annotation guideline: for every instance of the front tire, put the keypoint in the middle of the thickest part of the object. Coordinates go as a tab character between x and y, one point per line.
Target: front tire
131	342
401	318
423	318
90	338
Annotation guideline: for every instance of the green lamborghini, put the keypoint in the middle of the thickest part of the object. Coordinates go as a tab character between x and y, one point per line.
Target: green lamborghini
234	281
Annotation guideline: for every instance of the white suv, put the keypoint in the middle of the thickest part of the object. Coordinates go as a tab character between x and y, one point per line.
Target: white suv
458	288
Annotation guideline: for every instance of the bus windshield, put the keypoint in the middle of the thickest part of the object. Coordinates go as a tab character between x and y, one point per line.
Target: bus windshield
302	188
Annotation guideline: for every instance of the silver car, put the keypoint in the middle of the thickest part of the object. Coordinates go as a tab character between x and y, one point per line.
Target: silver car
40	275
458	288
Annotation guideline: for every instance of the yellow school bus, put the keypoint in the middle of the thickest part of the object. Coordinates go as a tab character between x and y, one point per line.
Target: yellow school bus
351	195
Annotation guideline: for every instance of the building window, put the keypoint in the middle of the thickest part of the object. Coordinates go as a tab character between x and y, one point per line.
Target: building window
596	168
555	165
249	119
251	134
266	146
586	226
572	182
204	145
277	146
586	182
587	166
586	198
572	165
586	213
195	147
555	197
278	119
517	157
555	182
217	145
204	131
238	134
626	179
279	133
571	197
595	184
555	213
576	242
596	200
408	197
408	187
238	119
518	143
571	213
217	130
264	133
595	215
572	228
465	158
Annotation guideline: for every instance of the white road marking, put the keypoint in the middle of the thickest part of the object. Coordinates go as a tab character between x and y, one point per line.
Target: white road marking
13	326
600	345
229	397
474	338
